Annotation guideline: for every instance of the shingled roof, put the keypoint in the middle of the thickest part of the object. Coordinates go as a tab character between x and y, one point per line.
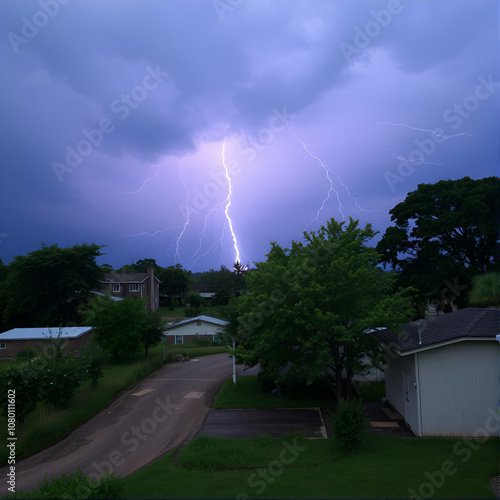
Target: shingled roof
466	323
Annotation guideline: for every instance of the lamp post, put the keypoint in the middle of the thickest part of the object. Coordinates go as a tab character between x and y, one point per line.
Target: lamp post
234	361
498	340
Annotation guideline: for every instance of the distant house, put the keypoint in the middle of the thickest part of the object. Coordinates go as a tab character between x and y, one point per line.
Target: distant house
14	341
205	291
134	285
443	374
202	327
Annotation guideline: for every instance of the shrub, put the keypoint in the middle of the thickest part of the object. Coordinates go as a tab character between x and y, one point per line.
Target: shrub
348	423
76	485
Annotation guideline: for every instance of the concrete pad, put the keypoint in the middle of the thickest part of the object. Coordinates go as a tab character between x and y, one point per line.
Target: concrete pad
384	424
275	422
393	415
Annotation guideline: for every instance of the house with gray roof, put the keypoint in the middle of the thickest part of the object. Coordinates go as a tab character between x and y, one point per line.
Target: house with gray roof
72	338
442	374
201	327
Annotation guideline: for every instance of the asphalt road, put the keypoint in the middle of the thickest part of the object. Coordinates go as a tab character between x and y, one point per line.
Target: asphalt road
157	415
275	422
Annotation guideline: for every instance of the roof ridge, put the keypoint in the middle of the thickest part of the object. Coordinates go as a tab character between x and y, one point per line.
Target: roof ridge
474	322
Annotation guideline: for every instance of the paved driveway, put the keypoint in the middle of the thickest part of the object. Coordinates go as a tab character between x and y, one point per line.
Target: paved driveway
275	422
157	415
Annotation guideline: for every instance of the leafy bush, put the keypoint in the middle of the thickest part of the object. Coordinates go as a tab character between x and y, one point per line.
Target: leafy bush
17	378
202	341
50	377
26	354
348	423
75	485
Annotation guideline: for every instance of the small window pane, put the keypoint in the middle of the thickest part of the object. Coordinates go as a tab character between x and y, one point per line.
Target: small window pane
134	287
178	339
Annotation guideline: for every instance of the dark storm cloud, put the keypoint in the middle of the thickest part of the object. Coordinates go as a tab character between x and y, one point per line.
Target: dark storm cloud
140	86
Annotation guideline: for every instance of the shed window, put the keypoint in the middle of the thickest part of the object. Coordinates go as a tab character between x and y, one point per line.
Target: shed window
134	287
115	287
3	345
178	339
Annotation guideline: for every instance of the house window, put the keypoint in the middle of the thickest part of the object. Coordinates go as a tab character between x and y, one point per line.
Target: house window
198	322
3	345
178	339
134	287
115	287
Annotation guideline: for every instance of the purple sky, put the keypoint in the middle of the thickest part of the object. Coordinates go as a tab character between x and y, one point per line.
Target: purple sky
116	114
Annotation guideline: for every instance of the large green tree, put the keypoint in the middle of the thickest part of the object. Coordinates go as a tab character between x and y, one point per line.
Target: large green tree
310	306
443	235
121	326
174	280
47	286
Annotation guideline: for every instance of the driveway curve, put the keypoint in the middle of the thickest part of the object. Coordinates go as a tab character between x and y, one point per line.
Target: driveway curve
155	416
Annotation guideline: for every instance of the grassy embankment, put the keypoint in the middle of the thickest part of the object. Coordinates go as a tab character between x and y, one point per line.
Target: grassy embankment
46	426
295	467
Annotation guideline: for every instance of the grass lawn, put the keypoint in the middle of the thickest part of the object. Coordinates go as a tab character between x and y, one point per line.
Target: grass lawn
294	467
46	426
372	392
247	394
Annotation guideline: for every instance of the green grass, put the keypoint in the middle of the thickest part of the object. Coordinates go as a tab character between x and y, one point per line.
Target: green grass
373	392
46	426
386	467
247	394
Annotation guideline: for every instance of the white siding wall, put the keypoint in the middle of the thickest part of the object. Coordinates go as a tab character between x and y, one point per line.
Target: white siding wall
193	329
458	385
394	389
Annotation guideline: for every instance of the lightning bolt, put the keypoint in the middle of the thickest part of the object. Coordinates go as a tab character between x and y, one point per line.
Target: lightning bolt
177	254
331	187
144	182
407	160
417	129
228	202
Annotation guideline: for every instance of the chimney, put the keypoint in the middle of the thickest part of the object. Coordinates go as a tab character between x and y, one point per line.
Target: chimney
152	289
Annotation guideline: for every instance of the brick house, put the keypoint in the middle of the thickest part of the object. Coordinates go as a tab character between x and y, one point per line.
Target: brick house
201	327
134	285
72	338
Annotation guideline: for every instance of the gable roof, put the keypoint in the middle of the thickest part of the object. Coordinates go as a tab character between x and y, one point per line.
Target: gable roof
433	332
206	319
69	332
127	278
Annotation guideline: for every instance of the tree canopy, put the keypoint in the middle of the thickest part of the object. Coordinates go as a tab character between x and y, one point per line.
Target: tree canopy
174	280
444	234
310	306
123	327
47	286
